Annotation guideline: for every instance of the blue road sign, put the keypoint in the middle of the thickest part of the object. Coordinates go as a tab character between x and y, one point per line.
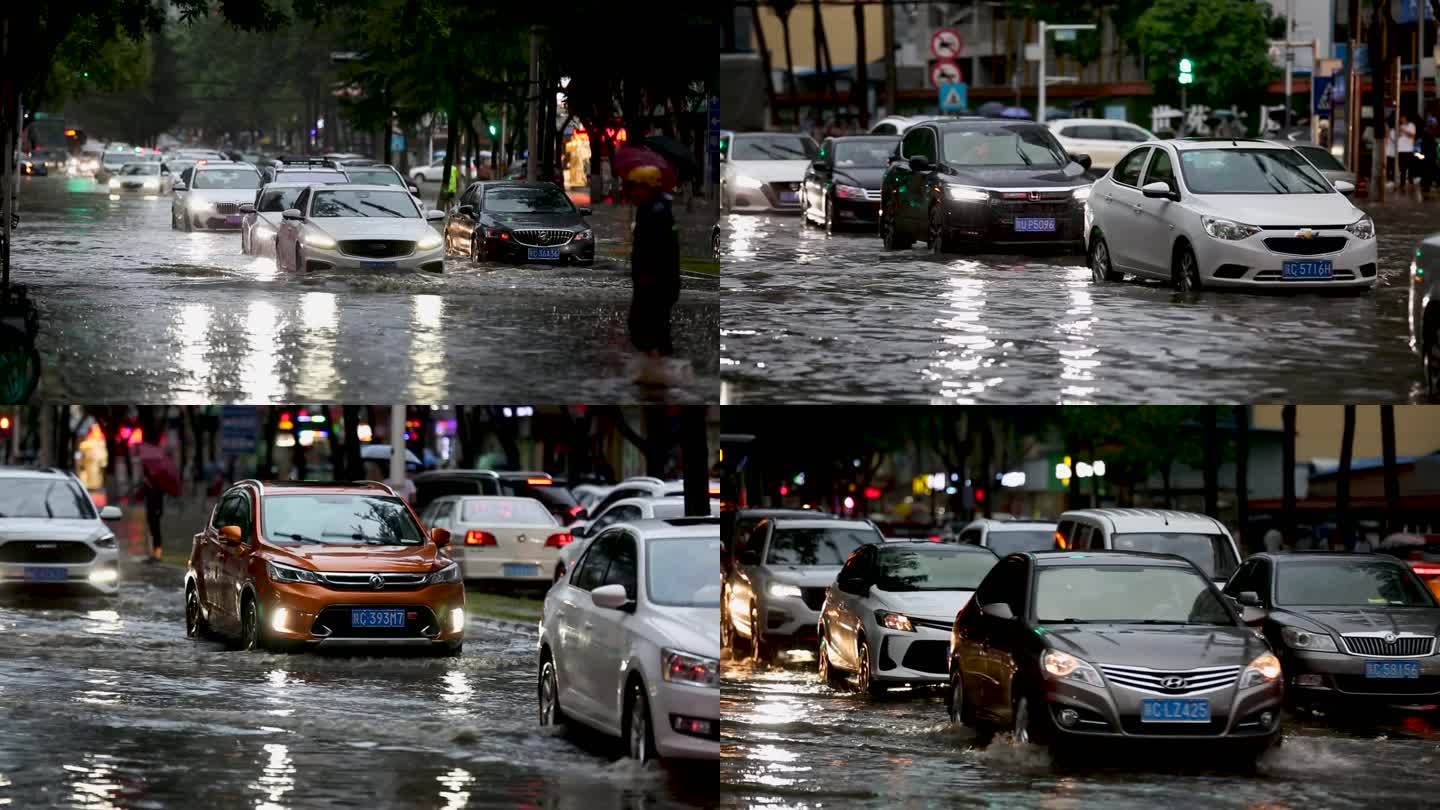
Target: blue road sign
954	97
239	430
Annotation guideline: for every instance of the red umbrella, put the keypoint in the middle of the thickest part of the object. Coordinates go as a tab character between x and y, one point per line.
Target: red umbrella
159	469
629	157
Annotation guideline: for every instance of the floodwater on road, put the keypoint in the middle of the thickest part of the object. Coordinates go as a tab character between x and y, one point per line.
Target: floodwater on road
135	311
790	742
811	318
106	703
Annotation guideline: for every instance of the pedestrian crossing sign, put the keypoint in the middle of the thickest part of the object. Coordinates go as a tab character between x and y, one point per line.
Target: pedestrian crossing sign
954	97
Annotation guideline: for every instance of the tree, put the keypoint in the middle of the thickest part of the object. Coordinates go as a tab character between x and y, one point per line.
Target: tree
1287	480
1208	419
1228	40
1392	476
1242	471
782	10
1342	478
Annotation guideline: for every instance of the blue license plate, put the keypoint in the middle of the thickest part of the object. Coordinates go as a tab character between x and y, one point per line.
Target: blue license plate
378	265
371	617
544	253
37	573
1392	669
789	196
1175	710
1034	224
520	570
1306	269
235	220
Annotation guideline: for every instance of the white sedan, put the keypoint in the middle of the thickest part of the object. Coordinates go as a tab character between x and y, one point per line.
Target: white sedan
51	535
500	537
358	227
261	220
763	171
629	640
1208	212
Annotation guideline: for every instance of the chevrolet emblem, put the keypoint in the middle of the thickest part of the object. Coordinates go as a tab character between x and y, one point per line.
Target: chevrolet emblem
1304	233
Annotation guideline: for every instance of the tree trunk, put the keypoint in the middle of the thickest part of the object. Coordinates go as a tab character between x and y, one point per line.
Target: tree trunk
657	441
1287	482
790	88
1242	471
764	50
354	465
696	455
987	458
1165	482
1393	523
822	60
1208	419
1342	480
337	443
1072	443
452	138
861	88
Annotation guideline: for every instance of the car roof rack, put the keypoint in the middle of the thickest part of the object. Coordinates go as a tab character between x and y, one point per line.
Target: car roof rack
303	161
260	485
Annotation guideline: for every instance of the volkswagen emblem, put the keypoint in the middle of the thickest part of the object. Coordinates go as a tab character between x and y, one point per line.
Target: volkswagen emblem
377	582
1305	233
1173	682
1389	638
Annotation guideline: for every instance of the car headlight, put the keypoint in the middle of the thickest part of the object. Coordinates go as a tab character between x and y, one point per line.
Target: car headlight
1298	639
1064	665
967	194
1081	194
1362	228
108	541
457	620
114	182
152	183
320	240
845	192
263	231
279	572
1227	229
894	621
784	589
450	573
745	181
683	667
585	235
104	576
1263	669
429	241
199	204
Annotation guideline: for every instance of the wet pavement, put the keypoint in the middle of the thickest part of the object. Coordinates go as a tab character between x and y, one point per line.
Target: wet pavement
791	742
134	311
811	318
106	703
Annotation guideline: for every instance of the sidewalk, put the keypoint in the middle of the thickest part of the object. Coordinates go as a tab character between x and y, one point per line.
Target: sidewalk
612	225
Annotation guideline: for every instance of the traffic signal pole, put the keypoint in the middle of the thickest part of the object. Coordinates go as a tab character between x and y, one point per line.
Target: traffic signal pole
1045	79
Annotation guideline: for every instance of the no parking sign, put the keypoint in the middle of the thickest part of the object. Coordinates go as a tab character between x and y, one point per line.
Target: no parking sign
945	43
945	71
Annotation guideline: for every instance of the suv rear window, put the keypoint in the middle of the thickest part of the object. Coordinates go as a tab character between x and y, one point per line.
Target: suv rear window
428	490
555	497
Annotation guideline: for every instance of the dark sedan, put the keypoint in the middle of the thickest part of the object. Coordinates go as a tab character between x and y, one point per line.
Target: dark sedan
842	185
1068	647
519	221
980	183
1351	629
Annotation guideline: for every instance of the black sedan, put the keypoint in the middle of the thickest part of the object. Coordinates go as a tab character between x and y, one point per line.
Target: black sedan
978	183
842	185
1071	648
1351	629
519	221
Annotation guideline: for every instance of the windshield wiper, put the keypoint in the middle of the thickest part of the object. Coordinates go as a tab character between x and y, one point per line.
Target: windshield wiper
1023	156
300	538
397	214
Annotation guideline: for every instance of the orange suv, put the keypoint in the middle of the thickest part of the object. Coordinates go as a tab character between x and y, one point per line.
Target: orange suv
286	564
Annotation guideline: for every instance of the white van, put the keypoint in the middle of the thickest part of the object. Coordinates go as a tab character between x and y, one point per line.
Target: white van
1200	539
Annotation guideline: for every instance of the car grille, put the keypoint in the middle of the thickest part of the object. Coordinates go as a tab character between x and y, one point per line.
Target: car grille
1402	646
227	208
1361	685
814	598
133	184
46	551
377	248
933	624
543	238
335	621
361	581
1153	680
772	193
872	194
926	656
1305	247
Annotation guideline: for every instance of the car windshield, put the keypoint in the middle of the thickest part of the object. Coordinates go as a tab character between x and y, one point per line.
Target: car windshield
866	154
44	498
506	512
1250	171
311	177
1321	157
140	169
379	177
178	166
817	546
1354	583
340	519
674	509
680	571
931	569
278	199
1123	594
360	203
1008	542
1018	145
117	157
533	200
1211	553
773	147
226	178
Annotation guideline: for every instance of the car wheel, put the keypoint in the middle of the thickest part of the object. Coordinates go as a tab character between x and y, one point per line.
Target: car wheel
829	216
418	178
1431	358
828	675
1100	267
865	685
454	649
477	249
250	626
955	700
890	234
1187	271
1030	727
549	694
298	263
727	631
174	223
639	737
726	204
186	224
939	243
195	624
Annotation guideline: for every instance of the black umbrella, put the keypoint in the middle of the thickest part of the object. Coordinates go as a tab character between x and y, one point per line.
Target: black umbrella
679	155
991	108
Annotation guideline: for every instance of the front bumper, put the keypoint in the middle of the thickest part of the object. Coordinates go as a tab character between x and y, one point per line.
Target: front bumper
100	575
1114	712
313	258
670	702
780	196
1248	263
125	188
318	615
582	250
212	219
856	212
1341	677
789	617
901	657
993	223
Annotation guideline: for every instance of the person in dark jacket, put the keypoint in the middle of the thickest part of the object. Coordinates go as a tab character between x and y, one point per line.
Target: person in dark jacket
654	263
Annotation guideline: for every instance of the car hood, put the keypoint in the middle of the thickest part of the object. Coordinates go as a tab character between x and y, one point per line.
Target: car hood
392	559
1279	209
939	605
864	178
1068	176
1158	646
371	227
1422	621
806	576
771	171
688	629
567	221
18	528
219	195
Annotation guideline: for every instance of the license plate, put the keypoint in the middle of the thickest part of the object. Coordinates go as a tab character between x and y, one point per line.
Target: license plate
45	574
789	196
544	253
1034	224
1175	710
378	265
1392	669
520	569
370	617
235	220
1307	269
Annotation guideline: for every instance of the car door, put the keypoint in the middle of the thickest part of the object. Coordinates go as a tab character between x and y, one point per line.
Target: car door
975	632
211	548
746	569
234	563
843	612
578	685
1117	205
906	187
287	236
1155	230
1010	638
460	226
608	647
1078	140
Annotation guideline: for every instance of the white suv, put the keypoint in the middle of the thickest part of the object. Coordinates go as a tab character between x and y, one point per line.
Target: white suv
1105	140
1201	539
1222	212
1005	537
1425	311
51	534
624	511
628	641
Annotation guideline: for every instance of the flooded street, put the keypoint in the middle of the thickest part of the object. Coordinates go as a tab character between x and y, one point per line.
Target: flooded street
108	704
811	318
135	311
791	742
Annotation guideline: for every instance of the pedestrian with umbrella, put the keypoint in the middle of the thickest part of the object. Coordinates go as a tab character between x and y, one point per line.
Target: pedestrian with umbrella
158	477
654	258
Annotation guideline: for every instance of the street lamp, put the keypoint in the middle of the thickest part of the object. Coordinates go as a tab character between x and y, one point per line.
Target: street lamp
1063	32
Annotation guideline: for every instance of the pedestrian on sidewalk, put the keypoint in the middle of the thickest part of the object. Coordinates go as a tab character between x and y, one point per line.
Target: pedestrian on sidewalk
1425	163
654	268
158	477
1405	150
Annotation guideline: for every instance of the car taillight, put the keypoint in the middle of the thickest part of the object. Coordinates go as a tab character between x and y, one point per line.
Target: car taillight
934	538
475	537
1426	570
575	510
558	540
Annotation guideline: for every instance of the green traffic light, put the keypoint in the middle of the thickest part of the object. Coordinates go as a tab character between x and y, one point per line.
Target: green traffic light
492	130
1186	66
85	74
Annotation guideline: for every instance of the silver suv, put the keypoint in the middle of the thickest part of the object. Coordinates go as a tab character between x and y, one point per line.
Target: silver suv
1201	539
1006	537
51	533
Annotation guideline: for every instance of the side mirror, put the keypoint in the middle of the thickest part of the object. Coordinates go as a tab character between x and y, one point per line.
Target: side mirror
179	185
1248	599
1159	191
247	208
919	163
1083	160
434	216
611	597
1345	187
292	213
466	210
586	211
998	610
440	536
414	189
110	513
854	585
579	530
1252	615
231	534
